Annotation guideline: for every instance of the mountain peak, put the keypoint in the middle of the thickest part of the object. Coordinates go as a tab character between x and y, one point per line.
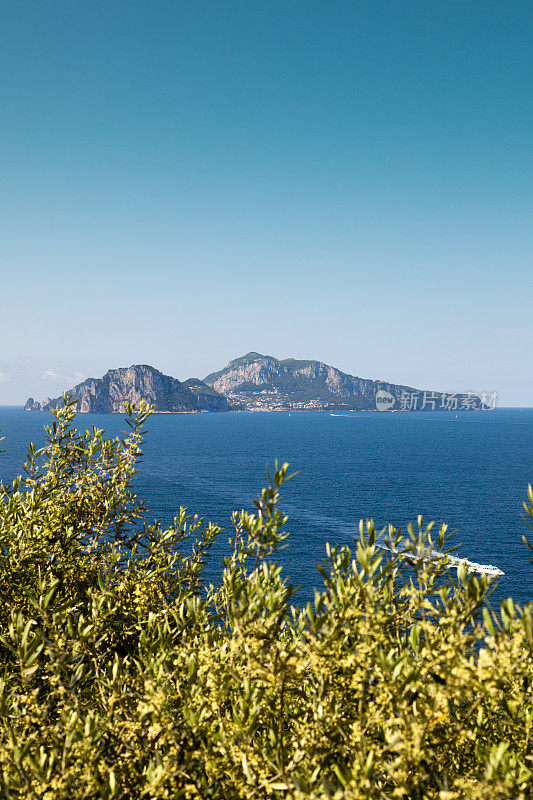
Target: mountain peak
264	383
133	384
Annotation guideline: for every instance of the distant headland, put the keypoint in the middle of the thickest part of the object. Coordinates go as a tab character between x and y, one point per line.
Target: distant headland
254	382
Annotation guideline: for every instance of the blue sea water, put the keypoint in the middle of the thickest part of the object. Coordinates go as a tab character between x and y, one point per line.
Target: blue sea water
469	470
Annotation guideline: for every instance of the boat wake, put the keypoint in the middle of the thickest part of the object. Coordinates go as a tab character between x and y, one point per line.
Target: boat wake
453	561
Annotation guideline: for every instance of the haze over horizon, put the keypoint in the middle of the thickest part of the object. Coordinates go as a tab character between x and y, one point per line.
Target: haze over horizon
184	183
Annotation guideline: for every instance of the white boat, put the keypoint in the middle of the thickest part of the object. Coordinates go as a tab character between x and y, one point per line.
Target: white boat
472	566
453	561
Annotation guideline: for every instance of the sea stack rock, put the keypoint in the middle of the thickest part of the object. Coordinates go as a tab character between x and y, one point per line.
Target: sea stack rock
32	405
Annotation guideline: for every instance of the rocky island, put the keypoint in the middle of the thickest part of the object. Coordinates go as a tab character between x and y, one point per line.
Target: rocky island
255	382
136	383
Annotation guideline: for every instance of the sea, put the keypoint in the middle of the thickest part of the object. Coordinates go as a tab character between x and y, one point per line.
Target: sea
469	469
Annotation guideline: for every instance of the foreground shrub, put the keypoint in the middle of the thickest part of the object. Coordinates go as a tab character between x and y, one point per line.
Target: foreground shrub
124	676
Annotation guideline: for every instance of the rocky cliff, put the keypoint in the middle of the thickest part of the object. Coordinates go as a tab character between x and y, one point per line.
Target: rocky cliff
136	383
262	383
207	398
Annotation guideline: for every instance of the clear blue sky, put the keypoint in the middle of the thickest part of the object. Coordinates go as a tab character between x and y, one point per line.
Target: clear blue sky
183	182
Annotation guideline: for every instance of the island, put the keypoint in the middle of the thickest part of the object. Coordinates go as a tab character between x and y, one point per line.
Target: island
256	382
